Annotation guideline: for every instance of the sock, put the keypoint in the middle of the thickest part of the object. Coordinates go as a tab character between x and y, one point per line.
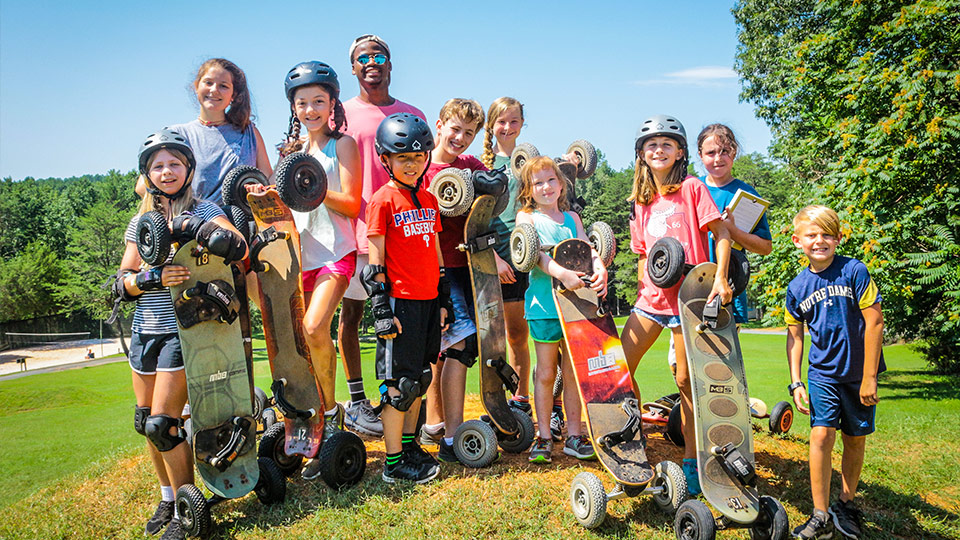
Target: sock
693	479
331	412
433	429
355	386
393	459
448	441
166	493
558	404
408	440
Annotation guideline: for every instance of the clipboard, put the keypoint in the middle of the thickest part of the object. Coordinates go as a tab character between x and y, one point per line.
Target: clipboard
746	209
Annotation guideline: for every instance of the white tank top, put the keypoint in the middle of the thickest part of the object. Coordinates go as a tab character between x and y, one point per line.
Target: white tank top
326	236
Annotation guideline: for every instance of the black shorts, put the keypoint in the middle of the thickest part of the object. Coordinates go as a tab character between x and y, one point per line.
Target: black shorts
514	292
150	353
413	350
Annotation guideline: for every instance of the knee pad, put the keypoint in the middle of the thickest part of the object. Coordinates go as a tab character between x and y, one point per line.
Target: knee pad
140	415
410	390
425	379
157	429
471	349
463	356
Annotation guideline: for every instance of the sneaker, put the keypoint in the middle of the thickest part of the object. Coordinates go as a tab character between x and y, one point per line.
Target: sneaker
429	438
690	473
405	469
446	453
580	447
161	517
817	527
847	518
311	469
362	418
521	405
332	423
541	451
556	425
415	453
173	532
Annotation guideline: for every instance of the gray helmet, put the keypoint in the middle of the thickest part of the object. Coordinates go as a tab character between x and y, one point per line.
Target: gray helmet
165	138
661	124
307	73
403	132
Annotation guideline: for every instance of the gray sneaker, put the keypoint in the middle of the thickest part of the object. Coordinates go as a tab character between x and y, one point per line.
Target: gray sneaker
362	418
541	451
580	447
332	423
818	527
847	518
160	518
428	438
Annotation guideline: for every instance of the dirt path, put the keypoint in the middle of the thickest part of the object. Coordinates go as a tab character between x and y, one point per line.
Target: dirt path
58	356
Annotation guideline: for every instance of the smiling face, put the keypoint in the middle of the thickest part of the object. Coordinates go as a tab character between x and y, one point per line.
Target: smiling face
371	74
313	107
454	136
506	128
546	188
407	167
215	91
718	158
817	244
167	172
660	153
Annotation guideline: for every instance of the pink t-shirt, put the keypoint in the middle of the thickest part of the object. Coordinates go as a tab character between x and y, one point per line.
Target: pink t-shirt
683	215
363	119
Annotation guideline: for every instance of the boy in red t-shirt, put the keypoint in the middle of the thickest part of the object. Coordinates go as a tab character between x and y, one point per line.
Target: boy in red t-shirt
408	291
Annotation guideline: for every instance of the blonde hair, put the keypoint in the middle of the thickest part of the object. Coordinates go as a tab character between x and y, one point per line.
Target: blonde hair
819	215
151	202
525	194
466	110
498	107
645	186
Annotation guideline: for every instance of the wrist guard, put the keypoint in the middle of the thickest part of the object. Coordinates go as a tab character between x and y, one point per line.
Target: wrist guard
119	288
221	242
382	314
368	278
185	228
443	296
150	279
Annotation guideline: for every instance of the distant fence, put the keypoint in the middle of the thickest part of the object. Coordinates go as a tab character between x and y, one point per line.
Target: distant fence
62	323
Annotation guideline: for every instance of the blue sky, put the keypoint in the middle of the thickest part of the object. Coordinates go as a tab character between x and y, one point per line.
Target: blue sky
81	84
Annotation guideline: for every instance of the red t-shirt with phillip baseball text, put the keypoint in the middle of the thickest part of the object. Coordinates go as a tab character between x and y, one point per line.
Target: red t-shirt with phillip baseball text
411	255
452	235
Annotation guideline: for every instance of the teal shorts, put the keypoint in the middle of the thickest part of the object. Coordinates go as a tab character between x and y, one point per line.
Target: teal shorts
545	330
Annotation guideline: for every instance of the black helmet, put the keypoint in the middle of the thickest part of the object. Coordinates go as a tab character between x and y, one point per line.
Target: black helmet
165	138
661	124
307	73
403	132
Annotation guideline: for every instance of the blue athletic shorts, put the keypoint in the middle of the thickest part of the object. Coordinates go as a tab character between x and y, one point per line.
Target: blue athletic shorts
150	353
837	405
666	321
546	330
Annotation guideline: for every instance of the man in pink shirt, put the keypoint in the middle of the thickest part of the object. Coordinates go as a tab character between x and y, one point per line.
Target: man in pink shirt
370	61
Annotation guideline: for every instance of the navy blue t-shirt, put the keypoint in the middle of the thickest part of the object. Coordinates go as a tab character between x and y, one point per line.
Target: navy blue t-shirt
830	303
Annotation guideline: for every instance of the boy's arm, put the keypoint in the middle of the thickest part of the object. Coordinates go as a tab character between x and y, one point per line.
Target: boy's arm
872	345
795	362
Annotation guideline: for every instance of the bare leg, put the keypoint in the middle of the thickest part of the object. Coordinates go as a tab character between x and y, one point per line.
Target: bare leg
544	375
169	396
821	445
518	348
454	386
571	396
143	390
321	304
348	336
686	396
639	334
851	464
434	396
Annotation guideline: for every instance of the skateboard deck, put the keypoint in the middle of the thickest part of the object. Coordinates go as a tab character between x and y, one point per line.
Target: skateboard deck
488	307
282	307
720	400
218	379
601	370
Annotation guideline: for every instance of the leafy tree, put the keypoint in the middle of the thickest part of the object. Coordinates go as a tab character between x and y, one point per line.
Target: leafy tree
863	102
29	283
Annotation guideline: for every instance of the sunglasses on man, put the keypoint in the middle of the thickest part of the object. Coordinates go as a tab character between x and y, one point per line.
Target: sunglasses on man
378	59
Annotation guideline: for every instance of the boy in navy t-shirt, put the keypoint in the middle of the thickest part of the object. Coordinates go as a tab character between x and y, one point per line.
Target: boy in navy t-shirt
840	305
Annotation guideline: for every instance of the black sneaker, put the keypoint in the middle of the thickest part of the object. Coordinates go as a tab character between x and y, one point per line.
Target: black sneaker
521	405
418	473
415	453
173	532
818	527
847	518
160	518
446	453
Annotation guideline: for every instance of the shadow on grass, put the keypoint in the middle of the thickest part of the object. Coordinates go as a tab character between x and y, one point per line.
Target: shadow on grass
918	384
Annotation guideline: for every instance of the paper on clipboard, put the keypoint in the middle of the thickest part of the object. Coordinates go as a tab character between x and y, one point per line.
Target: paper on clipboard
746	209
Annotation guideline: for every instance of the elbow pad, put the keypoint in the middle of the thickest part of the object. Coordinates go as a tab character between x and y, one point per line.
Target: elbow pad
221	242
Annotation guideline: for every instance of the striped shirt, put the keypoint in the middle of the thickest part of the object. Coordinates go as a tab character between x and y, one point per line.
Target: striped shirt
154	314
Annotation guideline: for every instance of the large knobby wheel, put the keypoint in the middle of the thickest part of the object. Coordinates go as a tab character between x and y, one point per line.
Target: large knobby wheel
475	444
674	431
454	191
665	262
194	511
343	460
524	437
781	418
525	247
301	182
772	523
738	272
271	487
601	236
520	155
234	189
240	220
588	157
153	238
694	522
669	476
588	500
271	447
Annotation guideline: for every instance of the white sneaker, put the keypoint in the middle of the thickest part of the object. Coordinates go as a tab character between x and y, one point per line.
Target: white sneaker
361	417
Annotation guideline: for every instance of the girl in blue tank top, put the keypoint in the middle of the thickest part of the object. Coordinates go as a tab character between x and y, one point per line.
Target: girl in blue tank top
542	202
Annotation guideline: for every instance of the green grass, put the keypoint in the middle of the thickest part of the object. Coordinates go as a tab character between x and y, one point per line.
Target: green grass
74	468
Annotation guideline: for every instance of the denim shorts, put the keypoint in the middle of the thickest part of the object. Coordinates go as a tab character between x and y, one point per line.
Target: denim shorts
150	353
463	327
666	321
